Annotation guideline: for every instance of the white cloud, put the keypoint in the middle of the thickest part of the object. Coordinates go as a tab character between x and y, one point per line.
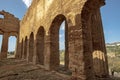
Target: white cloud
27	2
60	35
62	46
63	26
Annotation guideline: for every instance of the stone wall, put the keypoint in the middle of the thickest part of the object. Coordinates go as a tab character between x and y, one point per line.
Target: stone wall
9	26
39	29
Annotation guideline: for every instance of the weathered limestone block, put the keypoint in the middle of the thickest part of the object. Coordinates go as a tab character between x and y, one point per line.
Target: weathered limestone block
99	51
79	36
9	26
4	48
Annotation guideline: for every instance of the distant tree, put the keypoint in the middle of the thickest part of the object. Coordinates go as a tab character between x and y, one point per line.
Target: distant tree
11	52
114	64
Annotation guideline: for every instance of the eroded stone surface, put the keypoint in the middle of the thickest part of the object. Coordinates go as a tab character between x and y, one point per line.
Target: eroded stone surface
13	69
9	26
83	36
85	53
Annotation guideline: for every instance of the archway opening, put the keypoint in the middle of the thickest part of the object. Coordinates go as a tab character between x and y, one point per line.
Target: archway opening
11	47
1	16
58	43
40	45
62	43
31	47
1	37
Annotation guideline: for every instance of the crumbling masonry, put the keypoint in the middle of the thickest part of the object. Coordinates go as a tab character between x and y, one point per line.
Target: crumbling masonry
9	26
85	53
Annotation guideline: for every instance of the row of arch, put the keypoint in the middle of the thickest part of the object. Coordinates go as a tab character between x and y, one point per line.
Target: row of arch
28	50
93	43
82	41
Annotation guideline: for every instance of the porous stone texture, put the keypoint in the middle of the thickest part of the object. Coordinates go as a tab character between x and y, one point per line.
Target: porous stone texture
85	53
22	70
9	26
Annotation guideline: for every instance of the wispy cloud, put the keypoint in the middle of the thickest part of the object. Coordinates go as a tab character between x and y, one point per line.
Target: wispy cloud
27	2
60	36
63	26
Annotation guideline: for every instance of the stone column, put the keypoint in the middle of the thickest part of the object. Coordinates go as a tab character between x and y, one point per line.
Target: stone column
23	49
66	46
28	50
99	50
35	56
4	48
18	49
47	53
18	54
15	53
71	48
80	45
104	55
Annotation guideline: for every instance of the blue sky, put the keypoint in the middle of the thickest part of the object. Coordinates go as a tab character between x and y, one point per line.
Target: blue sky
110	18
16	7
62	36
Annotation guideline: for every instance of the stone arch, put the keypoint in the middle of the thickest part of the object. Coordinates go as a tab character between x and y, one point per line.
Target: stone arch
40	37
54	39
12	40
25	47
31	47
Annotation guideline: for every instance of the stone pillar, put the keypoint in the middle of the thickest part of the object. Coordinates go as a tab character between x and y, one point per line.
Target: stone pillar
31	48
23	49
15	53
105	64
4	48
18	54
104	56
35	57
66	46
18	49
71	48
47	53
99	50
80	49
28	50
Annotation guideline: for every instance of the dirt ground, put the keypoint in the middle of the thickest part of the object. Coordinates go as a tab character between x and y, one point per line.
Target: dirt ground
115	77
13	69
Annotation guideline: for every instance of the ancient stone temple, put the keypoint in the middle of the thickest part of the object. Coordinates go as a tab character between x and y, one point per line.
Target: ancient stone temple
85	52
9	26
